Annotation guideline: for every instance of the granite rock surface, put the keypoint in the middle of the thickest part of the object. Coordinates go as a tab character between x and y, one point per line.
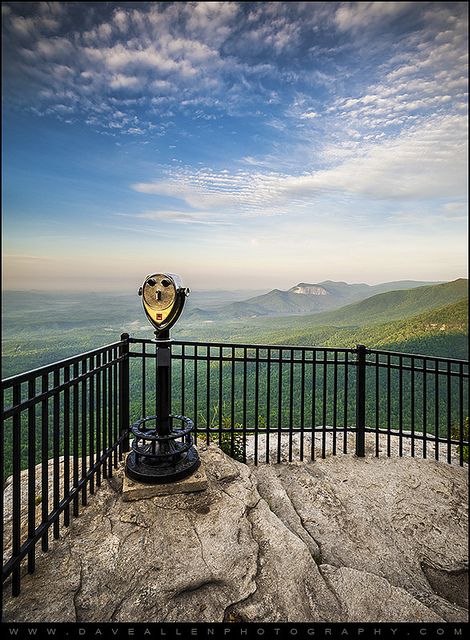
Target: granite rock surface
341	539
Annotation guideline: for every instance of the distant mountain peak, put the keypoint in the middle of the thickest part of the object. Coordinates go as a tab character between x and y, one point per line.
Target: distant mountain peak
334	282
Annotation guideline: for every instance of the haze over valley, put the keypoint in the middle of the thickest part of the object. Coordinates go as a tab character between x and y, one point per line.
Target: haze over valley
410	316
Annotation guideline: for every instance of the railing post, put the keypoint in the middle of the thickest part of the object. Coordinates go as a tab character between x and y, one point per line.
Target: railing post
360	400
124	417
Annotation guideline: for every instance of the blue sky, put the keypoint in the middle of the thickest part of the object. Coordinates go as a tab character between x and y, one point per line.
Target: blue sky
241	145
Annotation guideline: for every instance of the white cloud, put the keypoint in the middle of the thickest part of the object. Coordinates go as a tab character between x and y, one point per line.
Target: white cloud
213	21
23	26
361	15
121	81
184	217
193	191
426	162
120	20
425	75
56	47
171	51
309	115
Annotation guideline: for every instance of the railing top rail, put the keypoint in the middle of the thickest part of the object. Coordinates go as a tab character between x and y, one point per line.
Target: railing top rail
243	345
34	373
417	355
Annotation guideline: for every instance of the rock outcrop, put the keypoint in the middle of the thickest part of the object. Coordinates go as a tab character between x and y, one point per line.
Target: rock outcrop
341	539
310	289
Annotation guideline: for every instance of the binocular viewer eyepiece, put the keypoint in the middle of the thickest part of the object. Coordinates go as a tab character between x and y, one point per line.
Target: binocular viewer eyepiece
163	297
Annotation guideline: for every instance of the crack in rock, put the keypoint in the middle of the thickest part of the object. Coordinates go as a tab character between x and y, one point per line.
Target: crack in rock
306	529
201	545
77	592
230	613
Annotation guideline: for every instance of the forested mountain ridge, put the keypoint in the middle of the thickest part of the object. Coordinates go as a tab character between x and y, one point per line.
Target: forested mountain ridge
394	305
440	332
303	298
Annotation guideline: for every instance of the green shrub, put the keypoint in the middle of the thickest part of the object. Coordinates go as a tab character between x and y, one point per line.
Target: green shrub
231	444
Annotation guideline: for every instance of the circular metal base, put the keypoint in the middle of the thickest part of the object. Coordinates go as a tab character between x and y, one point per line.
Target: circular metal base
142	470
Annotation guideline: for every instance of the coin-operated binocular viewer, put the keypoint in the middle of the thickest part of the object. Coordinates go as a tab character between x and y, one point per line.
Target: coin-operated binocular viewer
161	452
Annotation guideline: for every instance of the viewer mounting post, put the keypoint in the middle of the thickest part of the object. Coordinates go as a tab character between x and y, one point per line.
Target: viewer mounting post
164	380
160	453
360	400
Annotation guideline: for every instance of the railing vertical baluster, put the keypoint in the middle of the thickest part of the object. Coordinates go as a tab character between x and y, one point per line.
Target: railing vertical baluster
16	490
360	400
412	407
244	402
31	472
449	414
232	403
208	394
346	398
66	443
314	404
91	420
291	400
302	404
400	406
45	460
268	403
377	405
461	417
256	404
335	396
425	407
99	424
83	425
436	410
324	404
56	451
124	418
389	405
220	396
279	414
75	437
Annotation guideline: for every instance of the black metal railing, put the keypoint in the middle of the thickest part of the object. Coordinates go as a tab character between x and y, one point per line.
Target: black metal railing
65	426
324	400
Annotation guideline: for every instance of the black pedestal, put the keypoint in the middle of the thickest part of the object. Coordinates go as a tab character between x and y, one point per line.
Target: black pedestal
159	458
162	473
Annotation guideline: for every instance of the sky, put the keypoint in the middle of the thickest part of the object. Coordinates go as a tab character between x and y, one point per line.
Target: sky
240	145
